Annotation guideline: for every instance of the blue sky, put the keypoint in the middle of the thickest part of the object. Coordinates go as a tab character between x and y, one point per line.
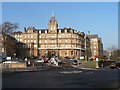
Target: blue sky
97	17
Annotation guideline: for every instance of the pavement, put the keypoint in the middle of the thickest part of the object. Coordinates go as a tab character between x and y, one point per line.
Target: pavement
67	65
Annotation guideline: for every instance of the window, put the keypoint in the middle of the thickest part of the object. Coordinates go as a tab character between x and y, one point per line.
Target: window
34	36
45	41
66	45
65	35
24	46
65	31
45	36
34	41
94	51
51	41
15	36
20	40
28	41
65	40
71	31
25	41
30	45
77	41
65	53
2	49
76	36
59	36
71	52
72	46
40	41
35	46
72	36
54	28
59	40
59	45
76	52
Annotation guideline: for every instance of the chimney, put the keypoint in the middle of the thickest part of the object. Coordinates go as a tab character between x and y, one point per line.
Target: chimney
25	29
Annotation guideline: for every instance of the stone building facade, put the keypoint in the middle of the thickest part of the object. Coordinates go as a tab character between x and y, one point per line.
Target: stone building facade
96	46
7	45
61	42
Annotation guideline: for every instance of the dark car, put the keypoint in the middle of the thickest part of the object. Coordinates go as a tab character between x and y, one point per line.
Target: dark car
74	62
45	60
115	65
59	61
118	65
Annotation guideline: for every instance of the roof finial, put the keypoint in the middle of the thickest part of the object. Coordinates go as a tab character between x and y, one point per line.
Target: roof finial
52	13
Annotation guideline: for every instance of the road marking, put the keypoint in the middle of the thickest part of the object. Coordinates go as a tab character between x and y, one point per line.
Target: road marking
70	72
89	72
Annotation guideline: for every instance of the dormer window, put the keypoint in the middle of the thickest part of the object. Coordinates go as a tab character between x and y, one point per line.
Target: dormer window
71	31
45	31
39	31
59	31
65	31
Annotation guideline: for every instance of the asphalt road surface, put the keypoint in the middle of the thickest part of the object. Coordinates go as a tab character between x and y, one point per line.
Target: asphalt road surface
63	78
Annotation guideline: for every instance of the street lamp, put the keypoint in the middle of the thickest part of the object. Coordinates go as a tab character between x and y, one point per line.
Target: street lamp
15	56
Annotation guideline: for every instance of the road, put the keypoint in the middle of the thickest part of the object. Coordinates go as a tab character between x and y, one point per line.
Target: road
62	78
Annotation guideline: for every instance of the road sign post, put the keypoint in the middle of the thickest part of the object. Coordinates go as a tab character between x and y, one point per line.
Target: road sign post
97	66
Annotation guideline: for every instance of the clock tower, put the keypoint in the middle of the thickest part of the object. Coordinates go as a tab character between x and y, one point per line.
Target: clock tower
52	25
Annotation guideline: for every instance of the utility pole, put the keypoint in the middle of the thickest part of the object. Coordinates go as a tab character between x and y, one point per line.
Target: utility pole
89	48
85	48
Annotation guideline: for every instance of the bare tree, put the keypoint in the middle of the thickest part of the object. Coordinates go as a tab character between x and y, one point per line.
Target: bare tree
116	55
111	49
8	28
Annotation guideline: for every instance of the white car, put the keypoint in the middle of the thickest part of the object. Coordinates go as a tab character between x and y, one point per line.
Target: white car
11	62
40	61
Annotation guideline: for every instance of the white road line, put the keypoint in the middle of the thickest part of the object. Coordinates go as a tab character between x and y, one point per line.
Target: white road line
70	72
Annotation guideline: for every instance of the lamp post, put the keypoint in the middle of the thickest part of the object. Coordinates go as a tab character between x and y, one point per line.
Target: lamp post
15	56
97	66
15	59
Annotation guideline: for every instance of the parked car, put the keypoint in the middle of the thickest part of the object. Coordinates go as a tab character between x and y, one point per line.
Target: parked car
45	60
118	65
39	61
115	65
74	62
11	62
59	61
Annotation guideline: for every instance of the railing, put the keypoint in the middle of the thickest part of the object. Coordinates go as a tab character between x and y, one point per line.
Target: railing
63	48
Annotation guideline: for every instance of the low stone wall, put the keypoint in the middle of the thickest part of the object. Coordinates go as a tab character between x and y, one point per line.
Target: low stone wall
13	65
